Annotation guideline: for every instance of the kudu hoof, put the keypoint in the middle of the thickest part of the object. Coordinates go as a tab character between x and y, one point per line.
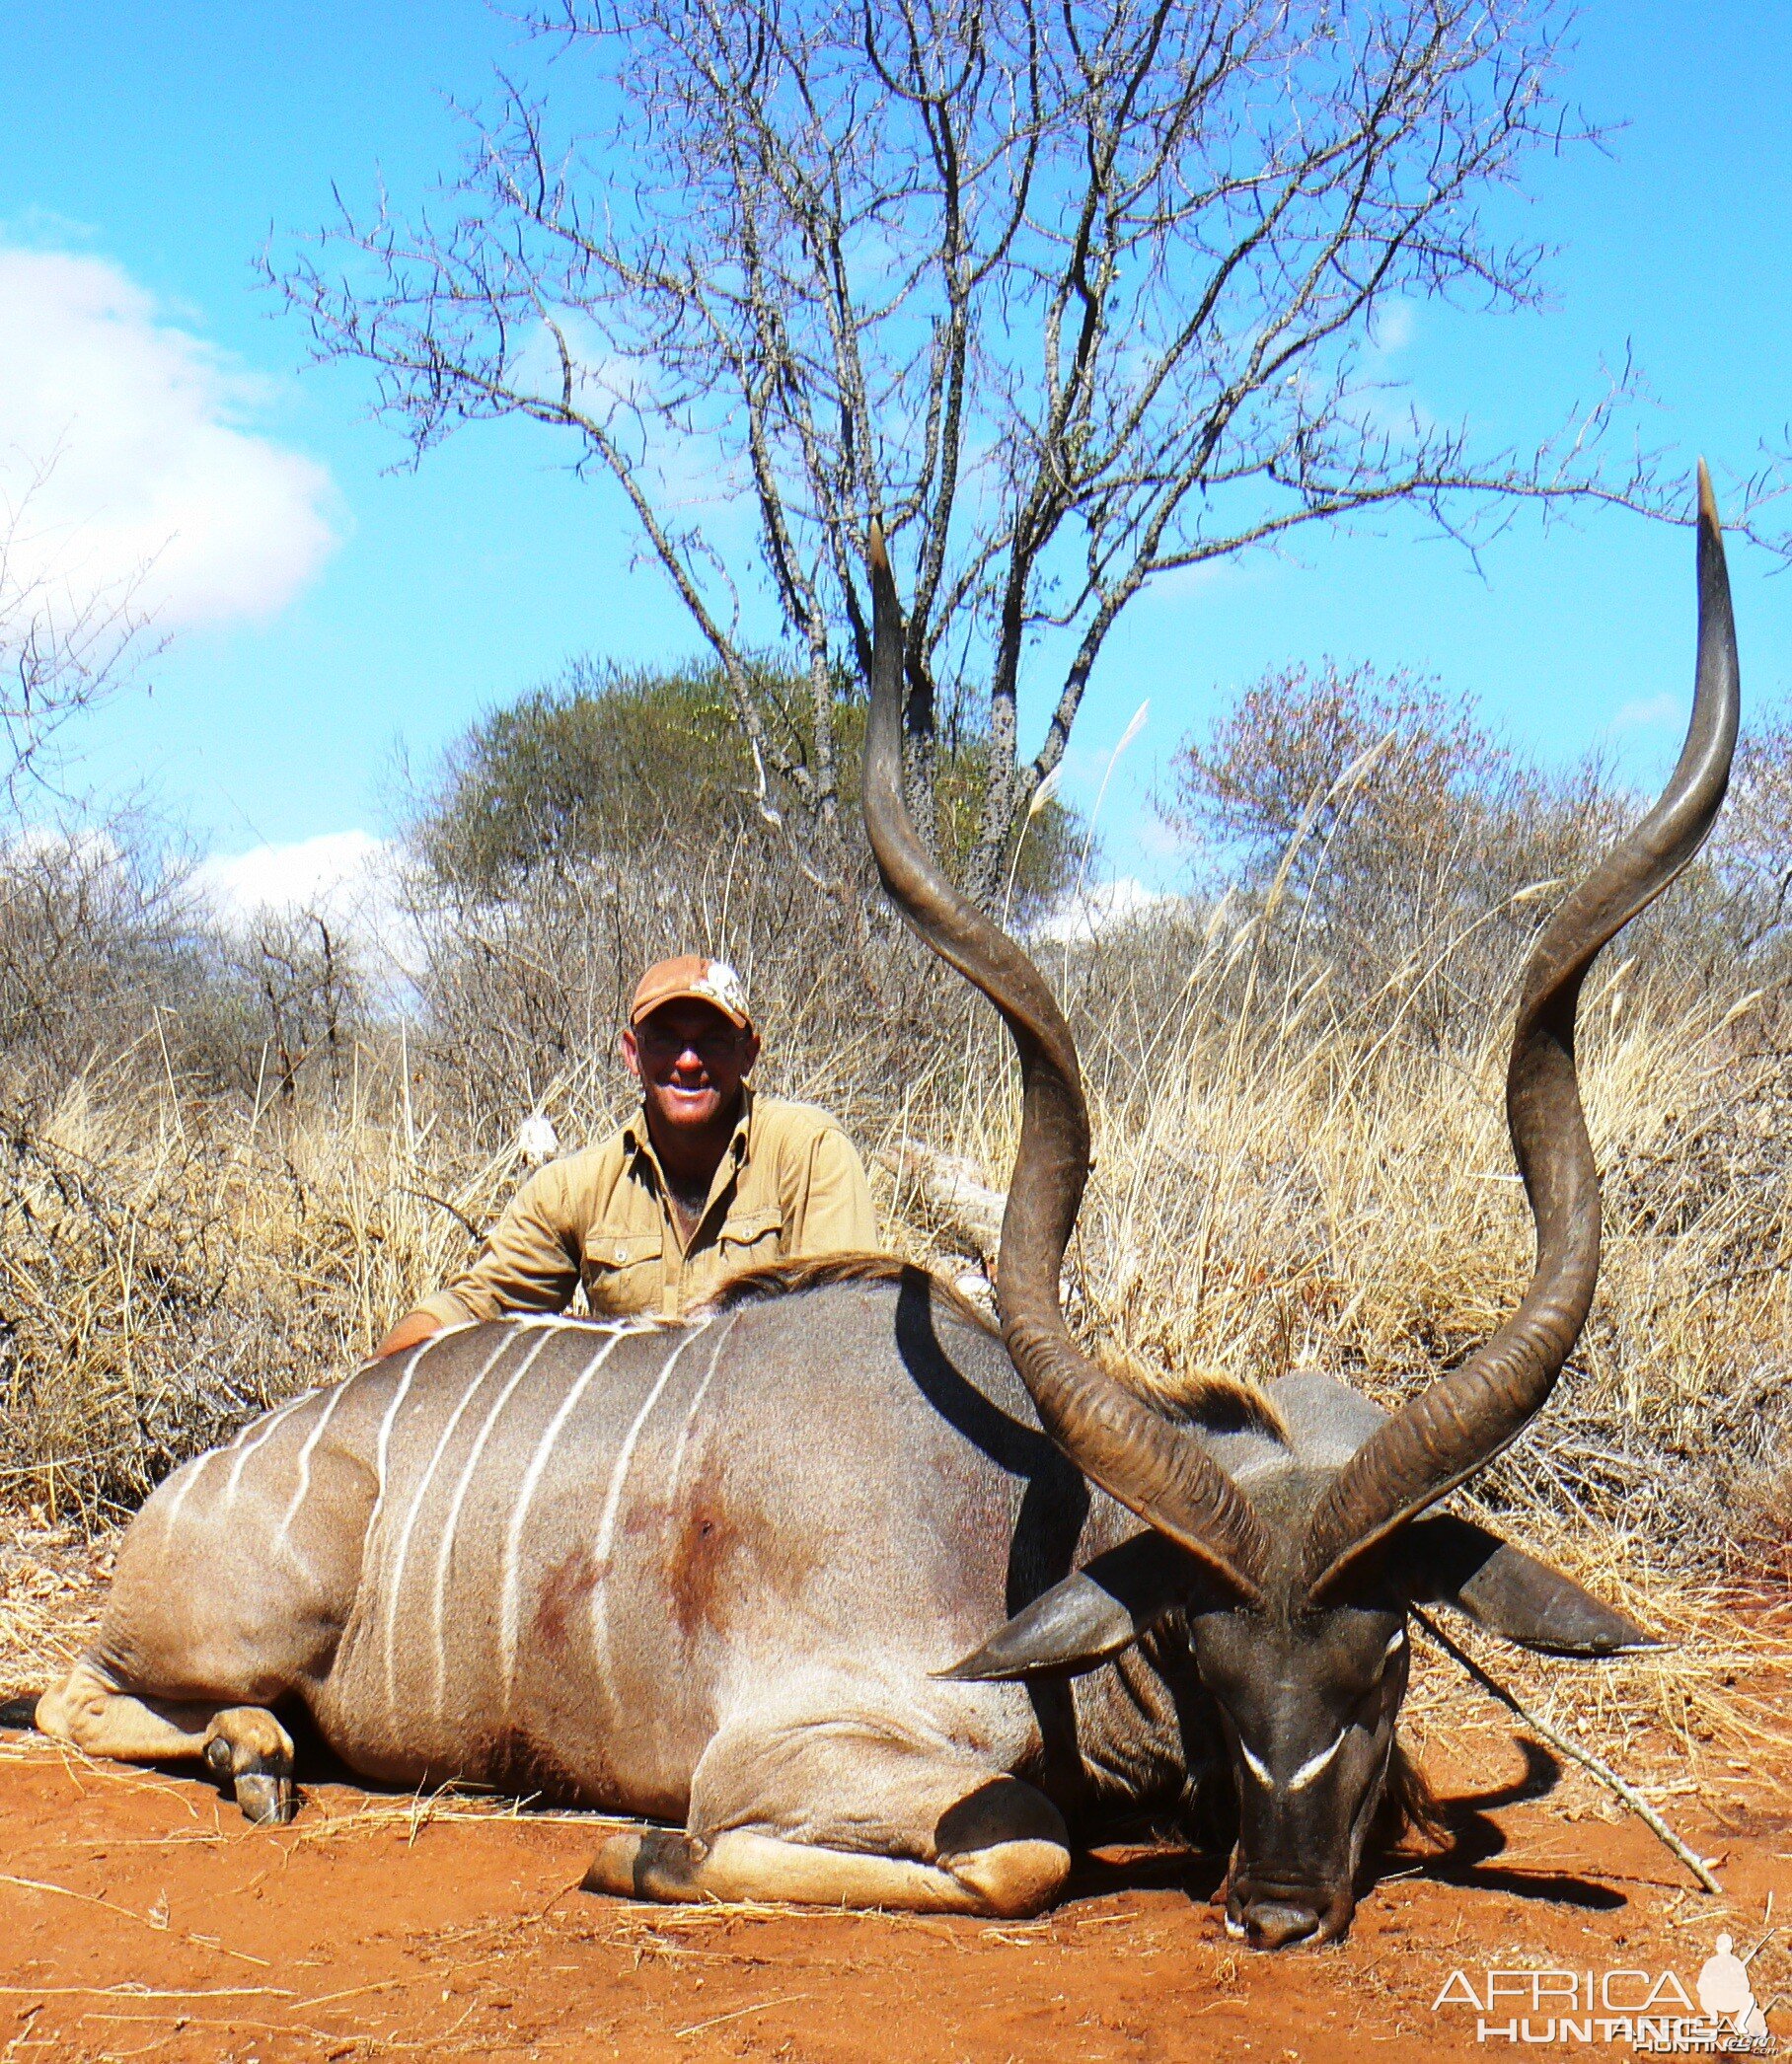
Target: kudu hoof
1279	1923
266	1799
264	1795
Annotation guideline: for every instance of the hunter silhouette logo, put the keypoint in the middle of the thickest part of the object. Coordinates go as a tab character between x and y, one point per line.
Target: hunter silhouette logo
1725	1993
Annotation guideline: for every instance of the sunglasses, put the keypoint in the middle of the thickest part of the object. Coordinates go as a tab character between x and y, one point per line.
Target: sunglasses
709	1046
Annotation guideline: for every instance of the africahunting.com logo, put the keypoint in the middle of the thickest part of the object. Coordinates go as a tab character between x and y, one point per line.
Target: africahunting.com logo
1650	2013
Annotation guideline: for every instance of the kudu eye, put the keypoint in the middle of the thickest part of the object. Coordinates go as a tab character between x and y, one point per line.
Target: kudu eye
1375	1686
1368	1669
1368	1709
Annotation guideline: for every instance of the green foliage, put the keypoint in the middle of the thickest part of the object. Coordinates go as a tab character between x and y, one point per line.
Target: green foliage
598	761
623	764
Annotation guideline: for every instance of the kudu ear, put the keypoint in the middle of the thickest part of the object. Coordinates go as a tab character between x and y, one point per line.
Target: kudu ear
1447	1560
1092	1615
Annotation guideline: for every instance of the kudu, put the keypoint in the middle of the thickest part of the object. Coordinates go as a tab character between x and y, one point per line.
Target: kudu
717	1572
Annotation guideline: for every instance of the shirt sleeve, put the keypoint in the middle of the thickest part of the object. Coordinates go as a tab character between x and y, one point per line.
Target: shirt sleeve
834	1215
528	1262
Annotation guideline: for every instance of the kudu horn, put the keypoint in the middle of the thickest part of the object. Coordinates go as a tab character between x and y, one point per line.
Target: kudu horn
1464	1419
1148	1463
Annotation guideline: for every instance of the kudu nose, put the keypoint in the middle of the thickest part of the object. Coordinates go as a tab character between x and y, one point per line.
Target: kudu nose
1275	1923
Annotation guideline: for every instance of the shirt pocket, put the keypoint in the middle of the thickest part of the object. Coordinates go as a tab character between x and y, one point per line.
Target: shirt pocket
748	1239
622	1272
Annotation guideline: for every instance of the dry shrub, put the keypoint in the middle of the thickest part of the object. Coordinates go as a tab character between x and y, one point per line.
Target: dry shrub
90	937
172	1265
111	963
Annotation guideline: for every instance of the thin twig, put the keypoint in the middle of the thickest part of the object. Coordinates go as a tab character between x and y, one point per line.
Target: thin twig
131	1991
125	1913
1585	1757
789	1999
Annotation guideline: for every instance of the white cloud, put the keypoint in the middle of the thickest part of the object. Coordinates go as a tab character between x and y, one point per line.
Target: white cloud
1097	909
32	843
348	878
1651	713
133	430
1181	582
1396	325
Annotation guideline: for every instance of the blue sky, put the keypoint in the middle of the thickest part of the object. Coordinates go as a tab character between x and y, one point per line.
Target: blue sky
323	610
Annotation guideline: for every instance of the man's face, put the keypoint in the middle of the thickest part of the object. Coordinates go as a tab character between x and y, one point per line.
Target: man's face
689	1061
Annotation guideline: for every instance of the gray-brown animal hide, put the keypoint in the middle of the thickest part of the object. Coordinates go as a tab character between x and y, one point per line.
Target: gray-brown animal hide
703	1570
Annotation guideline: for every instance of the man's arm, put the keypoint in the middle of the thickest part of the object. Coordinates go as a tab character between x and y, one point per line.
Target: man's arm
412	1331
529	1262
834	1213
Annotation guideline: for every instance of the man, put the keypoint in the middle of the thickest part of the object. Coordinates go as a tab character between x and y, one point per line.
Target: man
705	1179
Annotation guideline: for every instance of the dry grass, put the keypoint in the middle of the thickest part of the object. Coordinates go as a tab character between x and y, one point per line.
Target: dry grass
171	1266
1275	1190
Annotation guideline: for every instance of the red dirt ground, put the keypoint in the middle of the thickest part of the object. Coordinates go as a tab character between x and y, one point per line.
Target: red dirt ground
141	1917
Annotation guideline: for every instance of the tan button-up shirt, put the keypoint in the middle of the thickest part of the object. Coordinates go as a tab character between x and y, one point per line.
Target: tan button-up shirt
789	1184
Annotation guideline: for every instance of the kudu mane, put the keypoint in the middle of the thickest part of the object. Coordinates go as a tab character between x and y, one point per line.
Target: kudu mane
804	1273
1207	1398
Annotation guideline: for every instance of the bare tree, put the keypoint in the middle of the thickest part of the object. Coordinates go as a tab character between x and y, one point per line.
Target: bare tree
95	935
1070	296
63	648
311	995
1754	861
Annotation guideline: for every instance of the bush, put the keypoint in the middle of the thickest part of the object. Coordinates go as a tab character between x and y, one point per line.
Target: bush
93	941
110	964
1394	848
600	762
610	764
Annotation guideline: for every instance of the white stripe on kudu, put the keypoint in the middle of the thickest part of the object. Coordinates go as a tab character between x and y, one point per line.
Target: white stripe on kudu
684	1433
385	1434
303	1489
235	1483
532	1476
194	1470
1315	1764
394	1584
606	1531
445	1553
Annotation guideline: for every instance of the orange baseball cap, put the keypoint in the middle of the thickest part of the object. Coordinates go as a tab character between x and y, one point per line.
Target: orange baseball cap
690	976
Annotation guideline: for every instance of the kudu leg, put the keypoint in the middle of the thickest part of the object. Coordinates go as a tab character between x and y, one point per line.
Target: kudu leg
857	1820
1006	1880
245	1744
230	1590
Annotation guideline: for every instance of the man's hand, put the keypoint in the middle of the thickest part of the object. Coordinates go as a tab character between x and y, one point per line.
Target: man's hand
413	1329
